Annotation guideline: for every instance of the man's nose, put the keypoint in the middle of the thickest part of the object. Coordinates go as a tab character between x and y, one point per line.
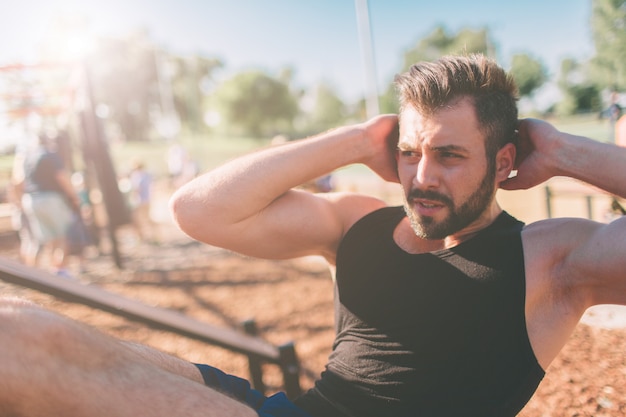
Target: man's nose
427	173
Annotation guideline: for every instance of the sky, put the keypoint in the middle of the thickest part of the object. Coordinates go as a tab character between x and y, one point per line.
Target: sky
319	39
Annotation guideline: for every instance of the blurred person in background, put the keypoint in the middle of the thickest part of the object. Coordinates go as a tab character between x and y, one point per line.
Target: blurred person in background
140	182
29	247
614	112
48	201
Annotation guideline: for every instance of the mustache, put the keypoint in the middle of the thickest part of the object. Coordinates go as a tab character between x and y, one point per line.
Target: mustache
429	195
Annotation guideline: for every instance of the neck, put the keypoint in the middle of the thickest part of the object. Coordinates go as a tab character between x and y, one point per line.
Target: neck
407	240
485	220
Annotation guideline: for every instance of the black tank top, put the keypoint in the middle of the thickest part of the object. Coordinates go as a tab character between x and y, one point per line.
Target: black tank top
435	334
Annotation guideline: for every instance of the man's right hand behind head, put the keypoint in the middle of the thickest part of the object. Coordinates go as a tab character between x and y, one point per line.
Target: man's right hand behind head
382	134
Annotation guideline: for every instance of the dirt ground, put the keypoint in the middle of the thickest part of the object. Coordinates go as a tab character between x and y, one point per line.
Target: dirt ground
292	301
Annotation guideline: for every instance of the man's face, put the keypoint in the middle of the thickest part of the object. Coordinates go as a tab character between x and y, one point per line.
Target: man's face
448	184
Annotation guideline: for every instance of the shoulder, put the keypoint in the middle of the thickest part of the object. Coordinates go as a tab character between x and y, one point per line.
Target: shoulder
554	239
351	207
558	253
558	233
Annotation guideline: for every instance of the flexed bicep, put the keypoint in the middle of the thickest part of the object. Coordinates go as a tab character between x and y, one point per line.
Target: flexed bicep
598	260
297	223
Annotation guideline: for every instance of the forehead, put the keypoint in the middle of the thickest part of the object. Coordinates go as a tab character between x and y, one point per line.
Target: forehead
456	124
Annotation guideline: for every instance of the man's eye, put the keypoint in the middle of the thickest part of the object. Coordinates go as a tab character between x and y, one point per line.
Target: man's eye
409	154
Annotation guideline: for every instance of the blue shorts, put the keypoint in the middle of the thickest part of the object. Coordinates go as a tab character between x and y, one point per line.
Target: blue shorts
278	405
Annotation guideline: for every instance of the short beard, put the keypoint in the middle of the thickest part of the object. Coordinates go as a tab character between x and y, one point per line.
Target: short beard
459	218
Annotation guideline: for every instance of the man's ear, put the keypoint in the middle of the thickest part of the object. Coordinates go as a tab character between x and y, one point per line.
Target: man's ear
505	162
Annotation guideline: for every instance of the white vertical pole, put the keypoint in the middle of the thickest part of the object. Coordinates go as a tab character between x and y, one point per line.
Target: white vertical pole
369	63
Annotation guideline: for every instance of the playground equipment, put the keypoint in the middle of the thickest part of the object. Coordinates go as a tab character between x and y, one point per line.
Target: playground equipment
61	94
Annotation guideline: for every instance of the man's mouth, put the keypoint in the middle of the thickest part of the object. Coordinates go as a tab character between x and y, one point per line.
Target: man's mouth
427	204
427	208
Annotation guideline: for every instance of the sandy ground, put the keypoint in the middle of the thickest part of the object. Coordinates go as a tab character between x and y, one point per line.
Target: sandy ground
292	301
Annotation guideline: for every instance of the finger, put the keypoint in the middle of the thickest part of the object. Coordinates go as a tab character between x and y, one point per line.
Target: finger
510	184
515	182
393	136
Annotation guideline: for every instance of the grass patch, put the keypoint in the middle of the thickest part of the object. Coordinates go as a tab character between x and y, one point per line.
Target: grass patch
588	125
209	151
206	151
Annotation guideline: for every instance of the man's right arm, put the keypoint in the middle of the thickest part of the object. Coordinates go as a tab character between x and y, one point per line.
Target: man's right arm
249	205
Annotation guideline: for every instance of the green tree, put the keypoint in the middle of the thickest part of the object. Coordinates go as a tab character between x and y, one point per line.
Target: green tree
328	111
192	80
529	73
254	103
436	44
608	25
440	42
389	101
579	93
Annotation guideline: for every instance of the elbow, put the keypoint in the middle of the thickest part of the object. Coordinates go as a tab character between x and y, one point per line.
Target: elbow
185	213
197	210
198	219
176	206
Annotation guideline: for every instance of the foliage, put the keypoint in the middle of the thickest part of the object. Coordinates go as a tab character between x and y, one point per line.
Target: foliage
192	78
435	45
580	98
328	110
439	42
129	76
256	104
529	73
608	25
579	93
140	86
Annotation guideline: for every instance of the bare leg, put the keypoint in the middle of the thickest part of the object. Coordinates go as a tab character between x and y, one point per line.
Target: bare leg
53	366
58	257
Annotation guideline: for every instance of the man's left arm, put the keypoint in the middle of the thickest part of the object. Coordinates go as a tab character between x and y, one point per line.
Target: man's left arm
545	152
586	256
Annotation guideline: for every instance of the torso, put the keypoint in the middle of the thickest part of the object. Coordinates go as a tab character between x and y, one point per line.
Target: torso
417	318
552	312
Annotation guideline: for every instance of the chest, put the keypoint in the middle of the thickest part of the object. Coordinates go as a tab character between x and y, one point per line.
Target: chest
442	290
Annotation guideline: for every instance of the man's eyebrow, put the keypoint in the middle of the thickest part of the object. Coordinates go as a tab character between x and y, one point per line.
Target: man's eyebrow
450	148
443	148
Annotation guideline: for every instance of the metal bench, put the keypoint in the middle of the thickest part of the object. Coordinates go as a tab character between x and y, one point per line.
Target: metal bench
247	343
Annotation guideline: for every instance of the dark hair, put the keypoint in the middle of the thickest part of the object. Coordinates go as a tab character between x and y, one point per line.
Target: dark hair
430	86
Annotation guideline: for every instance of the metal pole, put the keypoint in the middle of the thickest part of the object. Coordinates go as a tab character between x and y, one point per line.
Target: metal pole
117	212
254	365
369	63
548	201
291	369
589	201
